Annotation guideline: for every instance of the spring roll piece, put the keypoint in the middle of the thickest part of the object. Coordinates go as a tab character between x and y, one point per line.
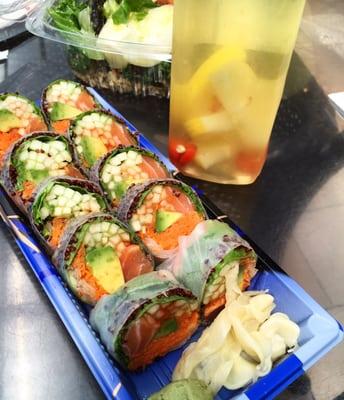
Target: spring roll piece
145	319
97	254
160	212
205	257
95	133
63	100
57	201
18	117
125	166
34	158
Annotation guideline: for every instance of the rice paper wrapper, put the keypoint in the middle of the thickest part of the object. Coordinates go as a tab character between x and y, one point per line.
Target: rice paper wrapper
113	311
201	251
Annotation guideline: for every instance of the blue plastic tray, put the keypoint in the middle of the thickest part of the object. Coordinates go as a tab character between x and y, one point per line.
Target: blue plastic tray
319	331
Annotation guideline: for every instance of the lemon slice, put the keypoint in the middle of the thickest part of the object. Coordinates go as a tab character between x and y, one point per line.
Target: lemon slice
223	82
215	63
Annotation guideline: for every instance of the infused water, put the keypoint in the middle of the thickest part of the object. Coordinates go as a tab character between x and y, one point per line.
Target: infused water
230	61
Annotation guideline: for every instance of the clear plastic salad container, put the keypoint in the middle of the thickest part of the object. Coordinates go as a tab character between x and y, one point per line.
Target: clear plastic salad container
121	45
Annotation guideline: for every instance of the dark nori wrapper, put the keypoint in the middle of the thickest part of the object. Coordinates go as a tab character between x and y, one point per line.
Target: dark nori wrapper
60	255
70	134
96	170
37	110
44	103
129	202
83	183
9	174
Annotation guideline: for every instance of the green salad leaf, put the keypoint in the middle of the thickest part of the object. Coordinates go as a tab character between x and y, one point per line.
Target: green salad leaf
65	14
139	9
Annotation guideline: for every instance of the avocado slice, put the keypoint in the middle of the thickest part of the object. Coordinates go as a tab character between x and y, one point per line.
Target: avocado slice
37	175
120	189
8	120
93	148
63	111
106	267
164	219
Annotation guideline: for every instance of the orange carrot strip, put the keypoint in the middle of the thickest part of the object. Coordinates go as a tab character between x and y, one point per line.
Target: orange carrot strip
7	139
169	238
248	264
61	126
214	305
28	190
58	226
79	264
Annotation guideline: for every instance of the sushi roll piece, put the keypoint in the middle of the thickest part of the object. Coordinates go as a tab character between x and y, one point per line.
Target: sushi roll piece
34	158
123	167
58	201
63	100
18	117
145	319
212	253
160	211
95	133
97	254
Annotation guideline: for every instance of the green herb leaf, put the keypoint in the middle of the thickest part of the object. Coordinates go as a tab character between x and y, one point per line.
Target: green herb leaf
166	328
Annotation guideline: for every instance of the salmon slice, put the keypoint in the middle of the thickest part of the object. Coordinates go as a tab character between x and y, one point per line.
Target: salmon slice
58	227
134	262
61	126
179	200
153	168
120	135
158	347
85	102
37	124
140	333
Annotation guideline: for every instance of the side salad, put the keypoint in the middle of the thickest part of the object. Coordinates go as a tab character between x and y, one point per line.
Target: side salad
111	25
